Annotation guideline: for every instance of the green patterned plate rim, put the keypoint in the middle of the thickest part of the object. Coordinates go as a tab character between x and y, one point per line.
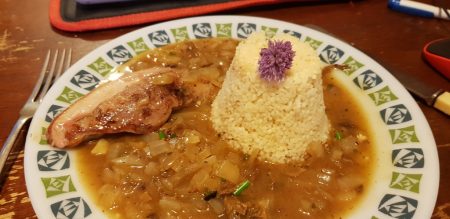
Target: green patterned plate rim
406	187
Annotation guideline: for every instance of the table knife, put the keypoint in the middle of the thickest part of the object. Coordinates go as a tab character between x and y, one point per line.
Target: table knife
432	96
435	97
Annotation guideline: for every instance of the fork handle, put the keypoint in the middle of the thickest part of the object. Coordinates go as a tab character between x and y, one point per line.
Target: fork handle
11	147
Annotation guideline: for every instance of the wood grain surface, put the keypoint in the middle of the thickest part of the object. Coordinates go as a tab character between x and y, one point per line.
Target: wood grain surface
393	38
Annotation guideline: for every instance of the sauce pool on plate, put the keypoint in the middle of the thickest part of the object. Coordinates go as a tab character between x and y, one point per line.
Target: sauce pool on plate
185	170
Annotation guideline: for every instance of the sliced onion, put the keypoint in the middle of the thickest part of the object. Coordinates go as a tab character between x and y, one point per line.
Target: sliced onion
169	161
336	154
199	179
151	169
191	137
348	144
149	138
158	147
316	149
169	204
129	160
228	171
101	148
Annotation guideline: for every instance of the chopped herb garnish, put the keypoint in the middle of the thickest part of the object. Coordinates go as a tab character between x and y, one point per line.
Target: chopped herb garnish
338	136
243	186
162	135
209	195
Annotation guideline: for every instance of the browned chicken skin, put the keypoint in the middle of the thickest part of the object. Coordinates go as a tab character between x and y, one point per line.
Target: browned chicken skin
138	102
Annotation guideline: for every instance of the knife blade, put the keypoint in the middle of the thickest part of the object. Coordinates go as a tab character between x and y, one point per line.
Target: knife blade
435	97
432	96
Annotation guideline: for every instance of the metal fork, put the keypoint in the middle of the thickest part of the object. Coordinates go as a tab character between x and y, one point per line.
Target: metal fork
49	73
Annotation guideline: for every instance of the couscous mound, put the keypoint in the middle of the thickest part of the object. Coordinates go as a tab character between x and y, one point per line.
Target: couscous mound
279	120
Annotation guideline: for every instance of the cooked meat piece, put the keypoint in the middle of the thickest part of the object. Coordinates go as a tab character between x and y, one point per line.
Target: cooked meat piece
234	208
138	102
226	188
198	92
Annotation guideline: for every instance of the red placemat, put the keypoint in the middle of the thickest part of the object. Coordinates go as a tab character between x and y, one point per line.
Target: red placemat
68	15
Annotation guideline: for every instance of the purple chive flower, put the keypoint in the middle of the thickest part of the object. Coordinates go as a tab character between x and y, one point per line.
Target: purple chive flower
275	60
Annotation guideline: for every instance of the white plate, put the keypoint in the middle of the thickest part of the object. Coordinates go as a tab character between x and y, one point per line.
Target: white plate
406	179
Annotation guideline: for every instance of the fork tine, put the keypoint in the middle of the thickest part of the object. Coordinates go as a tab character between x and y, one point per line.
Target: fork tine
49	77
69	59
64	64
60	66
37	87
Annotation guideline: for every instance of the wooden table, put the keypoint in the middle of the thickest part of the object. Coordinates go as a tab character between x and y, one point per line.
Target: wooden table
395	39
